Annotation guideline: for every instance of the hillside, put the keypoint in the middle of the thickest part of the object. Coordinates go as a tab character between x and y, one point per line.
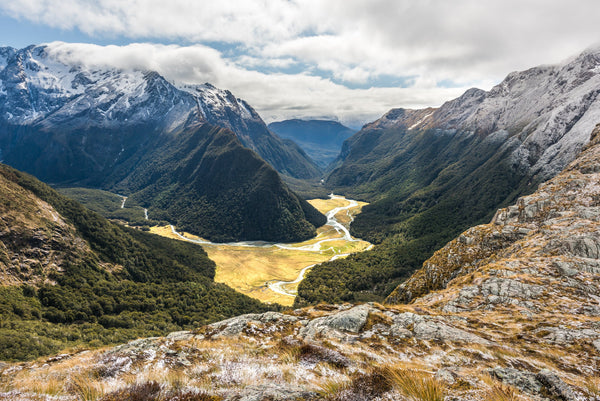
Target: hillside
430	174
71	278
204	182
321	139
509	310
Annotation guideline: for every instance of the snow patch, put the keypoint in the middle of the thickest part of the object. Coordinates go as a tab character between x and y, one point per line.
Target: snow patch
415	125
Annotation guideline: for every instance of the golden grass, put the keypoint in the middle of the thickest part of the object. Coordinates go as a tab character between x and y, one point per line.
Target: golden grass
325	205
248	270
592	384
85	388
416	385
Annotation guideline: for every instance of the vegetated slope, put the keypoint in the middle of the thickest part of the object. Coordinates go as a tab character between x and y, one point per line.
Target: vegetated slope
431	173
71	277
55	114
509	310
206	183
321	139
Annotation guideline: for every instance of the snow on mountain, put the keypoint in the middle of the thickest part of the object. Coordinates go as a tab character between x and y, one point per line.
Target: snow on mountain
548	110
40	89
36	86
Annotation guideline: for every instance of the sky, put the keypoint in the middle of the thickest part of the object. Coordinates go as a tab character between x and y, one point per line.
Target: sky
349	60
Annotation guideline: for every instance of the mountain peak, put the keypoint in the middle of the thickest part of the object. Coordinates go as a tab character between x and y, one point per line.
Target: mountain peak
38	89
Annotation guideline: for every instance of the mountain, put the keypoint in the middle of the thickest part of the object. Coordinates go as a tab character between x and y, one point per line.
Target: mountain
45	101
321	139
123	130
206	183
432	173
70	277
506	311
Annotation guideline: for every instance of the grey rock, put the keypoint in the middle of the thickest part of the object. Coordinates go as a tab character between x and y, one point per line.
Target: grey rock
555	386
351	320
446	375
587	246
428	328
235	325
525	381
432	330
597	345
180	335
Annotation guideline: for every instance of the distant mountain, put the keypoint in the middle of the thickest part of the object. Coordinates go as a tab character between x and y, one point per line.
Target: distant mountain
432	173
321	139
39	92
71	277
108	128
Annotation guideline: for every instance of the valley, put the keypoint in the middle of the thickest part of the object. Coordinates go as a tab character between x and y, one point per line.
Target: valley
271	272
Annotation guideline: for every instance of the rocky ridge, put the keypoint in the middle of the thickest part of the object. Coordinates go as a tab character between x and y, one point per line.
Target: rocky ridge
508	310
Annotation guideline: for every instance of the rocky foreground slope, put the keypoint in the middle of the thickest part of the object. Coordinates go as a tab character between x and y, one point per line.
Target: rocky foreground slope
508	311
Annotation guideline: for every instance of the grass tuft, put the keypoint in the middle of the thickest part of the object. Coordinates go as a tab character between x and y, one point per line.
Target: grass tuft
85	388
416	385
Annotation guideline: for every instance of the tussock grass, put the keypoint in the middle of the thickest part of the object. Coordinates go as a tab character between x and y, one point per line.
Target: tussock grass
500	392
86	388
331	388
416	385
592	384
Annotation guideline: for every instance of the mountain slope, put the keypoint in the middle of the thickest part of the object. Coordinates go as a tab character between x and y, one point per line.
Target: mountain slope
431	173
555	229
68	107
321	139
206	183
71	277
508	310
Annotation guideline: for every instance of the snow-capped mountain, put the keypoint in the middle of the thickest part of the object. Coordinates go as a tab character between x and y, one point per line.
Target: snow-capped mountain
548	112
39	90
431	173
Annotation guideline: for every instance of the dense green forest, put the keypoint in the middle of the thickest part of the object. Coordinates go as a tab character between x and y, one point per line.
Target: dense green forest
156	285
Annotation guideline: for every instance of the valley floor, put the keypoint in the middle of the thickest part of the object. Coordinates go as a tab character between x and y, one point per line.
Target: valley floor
271	272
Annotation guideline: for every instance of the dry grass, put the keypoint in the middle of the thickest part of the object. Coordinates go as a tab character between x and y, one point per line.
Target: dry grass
86	388
416	385
592	384
330	388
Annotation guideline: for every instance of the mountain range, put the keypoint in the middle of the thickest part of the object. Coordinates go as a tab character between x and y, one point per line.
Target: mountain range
430	174
72	125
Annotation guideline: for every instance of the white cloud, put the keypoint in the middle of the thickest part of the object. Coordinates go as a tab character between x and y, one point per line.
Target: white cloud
275	96
352	42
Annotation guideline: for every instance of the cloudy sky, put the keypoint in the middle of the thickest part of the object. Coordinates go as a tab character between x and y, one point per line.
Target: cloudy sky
350	60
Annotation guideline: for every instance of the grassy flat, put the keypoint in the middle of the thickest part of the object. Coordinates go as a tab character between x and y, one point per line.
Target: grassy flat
250	269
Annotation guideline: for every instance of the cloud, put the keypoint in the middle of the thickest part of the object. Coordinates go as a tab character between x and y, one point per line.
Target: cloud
275	96
439	46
